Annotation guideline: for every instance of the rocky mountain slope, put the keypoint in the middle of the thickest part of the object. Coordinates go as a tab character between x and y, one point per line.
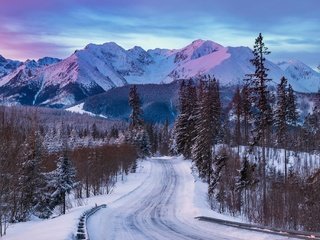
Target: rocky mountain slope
7	66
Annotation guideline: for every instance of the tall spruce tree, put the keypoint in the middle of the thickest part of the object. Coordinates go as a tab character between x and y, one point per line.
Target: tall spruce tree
259	93
215	102
32	181
280	118
246	180
219	162
62	179
202	148
311	126
165	139
137	130
246	111
207	128
292	113
237	109
184	128
136	120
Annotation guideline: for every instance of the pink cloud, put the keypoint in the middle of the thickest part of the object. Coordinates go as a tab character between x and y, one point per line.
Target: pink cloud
22	45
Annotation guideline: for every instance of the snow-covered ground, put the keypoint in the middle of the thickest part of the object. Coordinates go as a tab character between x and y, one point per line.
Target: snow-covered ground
79	109
160	201
302	163
165	207
64	227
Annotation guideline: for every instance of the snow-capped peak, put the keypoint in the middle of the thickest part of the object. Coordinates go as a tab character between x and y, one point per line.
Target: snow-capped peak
7	66
2	59
46	61
303	78
197	49
42	62
97	68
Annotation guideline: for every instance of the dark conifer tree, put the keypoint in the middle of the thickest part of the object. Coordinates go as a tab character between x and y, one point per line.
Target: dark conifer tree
63	179
208	127
32	182
215	102
246	110
312	128
165	139
246	180
136	120
219	162
179	131
292	114
137	130
184	128
280	118
285	115
237	109
257	84
202	149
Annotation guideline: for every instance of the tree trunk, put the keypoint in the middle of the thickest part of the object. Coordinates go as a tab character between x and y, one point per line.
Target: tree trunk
0	226
64	203
264	182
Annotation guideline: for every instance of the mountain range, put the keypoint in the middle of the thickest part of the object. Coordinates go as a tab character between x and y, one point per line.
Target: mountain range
98	68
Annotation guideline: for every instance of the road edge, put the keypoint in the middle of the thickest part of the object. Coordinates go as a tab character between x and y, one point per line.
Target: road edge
263	229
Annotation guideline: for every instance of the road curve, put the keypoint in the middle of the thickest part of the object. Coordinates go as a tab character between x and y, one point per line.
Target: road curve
152	211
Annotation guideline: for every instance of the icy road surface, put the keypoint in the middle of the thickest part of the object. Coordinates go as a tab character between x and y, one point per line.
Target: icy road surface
163	207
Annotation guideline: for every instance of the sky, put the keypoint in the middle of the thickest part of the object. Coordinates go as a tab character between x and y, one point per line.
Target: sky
30	29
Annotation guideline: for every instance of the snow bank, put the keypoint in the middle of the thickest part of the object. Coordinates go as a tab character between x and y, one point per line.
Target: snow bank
194	194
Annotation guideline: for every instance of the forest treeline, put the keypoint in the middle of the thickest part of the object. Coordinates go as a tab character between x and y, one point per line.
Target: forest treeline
232	147
48	156
41	161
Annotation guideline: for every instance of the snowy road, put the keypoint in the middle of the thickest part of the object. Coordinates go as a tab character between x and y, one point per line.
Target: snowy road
162	207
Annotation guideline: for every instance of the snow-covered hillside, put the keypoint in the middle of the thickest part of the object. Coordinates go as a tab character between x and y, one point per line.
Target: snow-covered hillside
98	68
302	77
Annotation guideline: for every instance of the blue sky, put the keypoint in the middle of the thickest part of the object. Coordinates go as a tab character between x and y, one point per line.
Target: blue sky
36	28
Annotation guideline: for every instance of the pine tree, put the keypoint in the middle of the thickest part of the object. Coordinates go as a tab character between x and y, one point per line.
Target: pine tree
142	142
138	134
32	181
165	138
281	112
219	162
63	180
257	84
246	110
207	128
135	104
152	132
237	108
285	114
215	102
312	128
202	148
246	178
179	130
184	128
292	114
